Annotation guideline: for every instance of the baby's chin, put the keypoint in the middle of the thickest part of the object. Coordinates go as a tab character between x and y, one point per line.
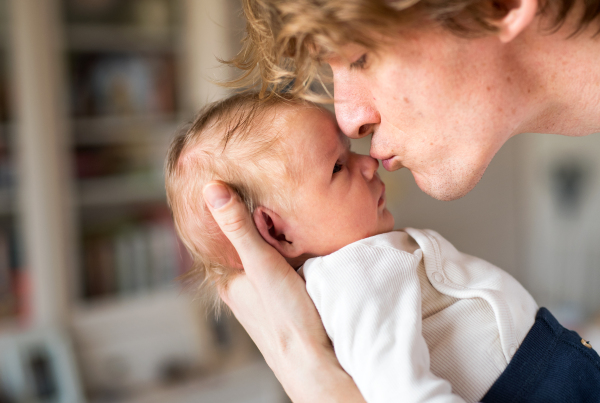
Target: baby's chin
388	222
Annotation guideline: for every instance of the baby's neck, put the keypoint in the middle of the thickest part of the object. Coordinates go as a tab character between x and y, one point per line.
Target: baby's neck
298	261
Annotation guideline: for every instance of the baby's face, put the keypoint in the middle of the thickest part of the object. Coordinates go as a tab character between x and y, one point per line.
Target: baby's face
341	199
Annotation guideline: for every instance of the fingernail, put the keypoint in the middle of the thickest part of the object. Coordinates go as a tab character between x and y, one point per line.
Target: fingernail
216	195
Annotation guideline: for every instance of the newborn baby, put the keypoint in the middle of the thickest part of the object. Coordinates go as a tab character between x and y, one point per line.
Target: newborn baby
410	317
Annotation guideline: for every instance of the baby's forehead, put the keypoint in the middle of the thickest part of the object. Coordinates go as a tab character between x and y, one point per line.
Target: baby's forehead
292	117
310	133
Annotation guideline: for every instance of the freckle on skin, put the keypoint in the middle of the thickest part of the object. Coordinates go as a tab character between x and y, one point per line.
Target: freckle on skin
406	100
488	88
508	79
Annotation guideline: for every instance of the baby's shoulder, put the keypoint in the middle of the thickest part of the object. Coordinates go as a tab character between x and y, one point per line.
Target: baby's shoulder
383	247
398	240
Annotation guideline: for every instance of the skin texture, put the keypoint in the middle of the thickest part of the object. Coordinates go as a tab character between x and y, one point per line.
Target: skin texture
554	87
334	179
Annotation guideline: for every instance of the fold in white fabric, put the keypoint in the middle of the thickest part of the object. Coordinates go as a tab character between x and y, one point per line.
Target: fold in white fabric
414	320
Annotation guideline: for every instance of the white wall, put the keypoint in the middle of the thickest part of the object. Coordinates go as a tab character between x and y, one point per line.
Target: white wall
563	253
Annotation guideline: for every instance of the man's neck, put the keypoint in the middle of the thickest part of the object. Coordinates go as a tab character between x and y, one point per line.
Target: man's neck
566	72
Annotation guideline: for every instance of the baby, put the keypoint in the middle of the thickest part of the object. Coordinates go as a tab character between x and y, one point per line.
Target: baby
410	317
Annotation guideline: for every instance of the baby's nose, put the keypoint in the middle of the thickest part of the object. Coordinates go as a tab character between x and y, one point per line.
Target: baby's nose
369	166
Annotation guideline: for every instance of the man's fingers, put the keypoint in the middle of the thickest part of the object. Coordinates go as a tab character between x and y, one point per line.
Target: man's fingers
236	223
228	212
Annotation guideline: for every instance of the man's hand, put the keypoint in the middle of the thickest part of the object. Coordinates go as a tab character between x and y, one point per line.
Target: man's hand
271	302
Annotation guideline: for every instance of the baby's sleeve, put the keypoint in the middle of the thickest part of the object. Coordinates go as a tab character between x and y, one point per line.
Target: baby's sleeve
369	299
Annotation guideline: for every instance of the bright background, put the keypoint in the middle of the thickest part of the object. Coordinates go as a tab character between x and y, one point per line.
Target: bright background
91	91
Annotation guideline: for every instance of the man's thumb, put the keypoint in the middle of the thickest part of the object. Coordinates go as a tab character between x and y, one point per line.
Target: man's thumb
217	194
260	260
233	218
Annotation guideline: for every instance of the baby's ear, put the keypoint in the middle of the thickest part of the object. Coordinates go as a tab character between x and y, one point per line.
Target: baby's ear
275	231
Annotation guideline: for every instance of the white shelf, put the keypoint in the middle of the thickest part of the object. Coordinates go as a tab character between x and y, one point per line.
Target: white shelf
97	37
113	191
140	334
84	311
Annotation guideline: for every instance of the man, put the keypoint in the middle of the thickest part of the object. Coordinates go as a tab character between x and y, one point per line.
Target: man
440	86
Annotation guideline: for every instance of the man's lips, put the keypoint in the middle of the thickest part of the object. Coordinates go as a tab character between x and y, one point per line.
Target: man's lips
391	164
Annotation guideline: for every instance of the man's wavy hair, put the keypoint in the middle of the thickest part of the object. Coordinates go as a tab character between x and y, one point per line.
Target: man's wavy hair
286	40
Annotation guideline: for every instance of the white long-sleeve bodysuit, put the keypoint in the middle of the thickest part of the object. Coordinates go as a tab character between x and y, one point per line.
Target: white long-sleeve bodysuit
414	320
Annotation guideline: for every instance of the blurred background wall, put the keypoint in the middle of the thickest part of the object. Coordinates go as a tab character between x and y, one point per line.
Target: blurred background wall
91	91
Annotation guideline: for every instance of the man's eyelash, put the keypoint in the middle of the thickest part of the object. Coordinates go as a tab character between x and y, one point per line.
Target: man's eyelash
360	63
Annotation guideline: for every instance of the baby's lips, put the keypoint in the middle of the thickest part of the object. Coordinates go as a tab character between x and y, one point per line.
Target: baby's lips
382	195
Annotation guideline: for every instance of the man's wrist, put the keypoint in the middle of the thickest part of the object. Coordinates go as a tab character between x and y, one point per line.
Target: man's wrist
317	376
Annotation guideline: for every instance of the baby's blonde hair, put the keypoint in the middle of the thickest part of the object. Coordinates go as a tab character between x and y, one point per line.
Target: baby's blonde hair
237	141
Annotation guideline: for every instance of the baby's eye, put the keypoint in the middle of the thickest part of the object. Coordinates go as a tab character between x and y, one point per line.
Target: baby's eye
337	167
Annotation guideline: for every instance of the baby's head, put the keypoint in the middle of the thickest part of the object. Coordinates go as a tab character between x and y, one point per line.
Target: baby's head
308	194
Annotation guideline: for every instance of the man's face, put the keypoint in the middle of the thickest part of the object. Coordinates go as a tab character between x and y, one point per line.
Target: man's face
437	104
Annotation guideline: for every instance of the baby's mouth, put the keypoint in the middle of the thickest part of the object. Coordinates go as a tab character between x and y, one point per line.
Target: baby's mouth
382	196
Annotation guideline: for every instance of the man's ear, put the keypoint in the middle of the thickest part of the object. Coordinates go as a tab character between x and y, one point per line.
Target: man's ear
276	232
520	14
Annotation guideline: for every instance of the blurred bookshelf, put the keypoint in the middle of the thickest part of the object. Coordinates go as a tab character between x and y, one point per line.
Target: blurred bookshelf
122	67
125	69
12	275
101	257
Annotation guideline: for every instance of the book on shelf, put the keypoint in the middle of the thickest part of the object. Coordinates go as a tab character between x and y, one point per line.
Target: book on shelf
4	88
122	83
6	162
6	278
10	275
146	14
117	160
6	169
134	257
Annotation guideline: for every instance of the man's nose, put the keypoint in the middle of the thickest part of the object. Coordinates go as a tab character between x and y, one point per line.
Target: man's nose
355	108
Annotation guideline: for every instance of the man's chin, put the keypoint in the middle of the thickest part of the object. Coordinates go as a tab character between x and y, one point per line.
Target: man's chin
446	187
